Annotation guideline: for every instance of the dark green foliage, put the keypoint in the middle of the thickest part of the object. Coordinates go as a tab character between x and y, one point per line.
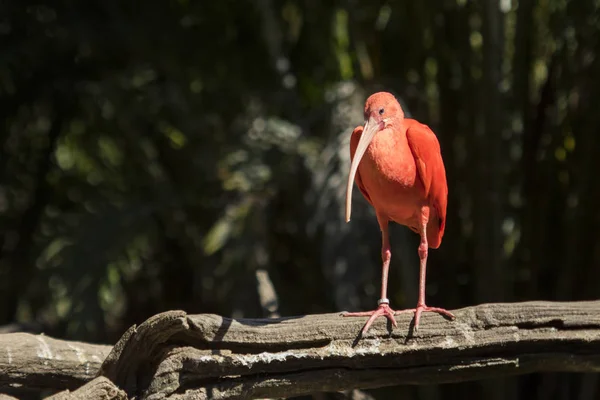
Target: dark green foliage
154	155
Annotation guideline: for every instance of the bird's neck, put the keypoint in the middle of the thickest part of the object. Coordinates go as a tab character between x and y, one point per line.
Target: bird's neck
390	158
389	141
394	124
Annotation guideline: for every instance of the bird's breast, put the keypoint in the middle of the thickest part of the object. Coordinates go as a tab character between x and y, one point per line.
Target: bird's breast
389	174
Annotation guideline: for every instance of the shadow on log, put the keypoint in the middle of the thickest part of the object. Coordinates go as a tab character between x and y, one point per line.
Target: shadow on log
178	356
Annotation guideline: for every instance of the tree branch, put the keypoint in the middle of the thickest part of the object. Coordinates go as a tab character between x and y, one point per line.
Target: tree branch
178	356
38	362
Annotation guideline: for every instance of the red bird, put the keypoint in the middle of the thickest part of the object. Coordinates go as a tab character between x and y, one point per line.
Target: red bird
402	176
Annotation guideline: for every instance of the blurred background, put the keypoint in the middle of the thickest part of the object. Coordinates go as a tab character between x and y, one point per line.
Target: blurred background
158	155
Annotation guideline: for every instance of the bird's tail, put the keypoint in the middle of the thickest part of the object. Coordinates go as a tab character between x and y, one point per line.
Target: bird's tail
435	232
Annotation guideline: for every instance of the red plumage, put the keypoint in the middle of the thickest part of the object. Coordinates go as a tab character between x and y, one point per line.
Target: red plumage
397	165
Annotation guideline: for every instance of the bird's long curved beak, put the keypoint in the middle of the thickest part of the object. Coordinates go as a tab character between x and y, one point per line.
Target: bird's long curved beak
370	129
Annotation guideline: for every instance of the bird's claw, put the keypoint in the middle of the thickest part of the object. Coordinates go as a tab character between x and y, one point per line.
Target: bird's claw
383	310
423	308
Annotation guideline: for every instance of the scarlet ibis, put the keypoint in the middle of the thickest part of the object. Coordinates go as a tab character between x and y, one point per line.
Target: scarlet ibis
397	165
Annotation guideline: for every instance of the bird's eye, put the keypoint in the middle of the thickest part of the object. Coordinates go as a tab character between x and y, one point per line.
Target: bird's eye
381	111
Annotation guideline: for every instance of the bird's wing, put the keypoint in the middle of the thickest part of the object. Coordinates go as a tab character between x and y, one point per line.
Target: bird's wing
356	134
428	157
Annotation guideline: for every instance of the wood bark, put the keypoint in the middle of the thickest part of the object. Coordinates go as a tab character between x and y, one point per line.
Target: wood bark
99	388
39	362
178	356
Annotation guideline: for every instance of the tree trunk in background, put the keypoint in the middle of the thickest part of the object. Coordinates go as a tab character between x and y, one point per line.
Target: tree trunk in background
491	276
451	133
521	104
17	259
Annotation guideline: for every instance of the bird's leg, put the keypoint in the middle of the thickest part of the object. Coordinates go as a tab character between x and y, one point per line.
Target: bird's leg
383	308
423	250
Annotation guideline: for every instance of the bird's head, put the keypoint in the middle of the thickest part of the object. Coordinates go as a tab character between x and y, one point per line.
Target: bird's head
381	111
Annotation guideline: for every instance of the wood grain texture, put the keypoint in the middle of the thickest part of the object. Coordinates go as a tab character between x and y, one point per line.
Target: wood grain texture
37	362
100	388
183	356
178	356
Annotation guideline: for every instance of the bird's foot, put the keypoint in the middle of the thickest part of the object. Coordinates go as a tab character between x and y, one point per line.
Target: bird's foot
423	308
383	310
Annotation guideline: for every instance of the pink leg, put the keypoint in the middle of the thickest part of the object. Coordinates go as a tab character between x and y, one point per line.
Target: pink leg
384	308
423	250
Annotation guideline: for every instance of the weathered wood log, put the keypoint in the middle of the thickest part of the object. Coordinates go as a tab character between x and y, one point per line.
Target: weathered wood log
38	362
178	356
100	388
